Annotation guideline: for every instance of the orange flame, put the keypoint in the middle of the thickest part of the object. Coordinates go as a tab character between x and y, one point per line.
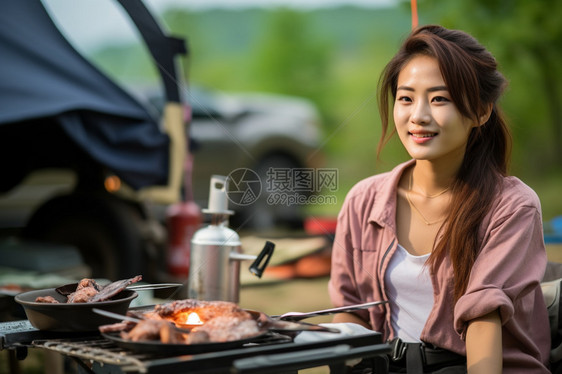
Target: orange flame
188	318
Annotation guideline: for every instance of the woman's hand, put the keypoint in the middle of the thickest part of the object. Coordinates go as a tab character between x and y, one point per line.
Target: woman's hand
484	344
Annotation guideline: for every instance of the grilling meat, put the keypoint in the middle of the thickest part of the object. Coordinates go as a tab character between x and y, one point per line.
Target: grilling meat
155	329
227	328
206	310
146	330
222	321
118	327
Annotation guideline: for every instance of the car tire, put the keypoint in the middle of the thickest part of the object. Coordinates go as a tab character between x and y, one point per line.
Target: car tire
104	229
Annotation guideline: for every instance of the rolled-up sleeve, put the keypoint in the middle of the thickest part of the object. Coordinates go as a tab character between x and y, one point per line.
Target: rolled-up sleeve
342	285
507	271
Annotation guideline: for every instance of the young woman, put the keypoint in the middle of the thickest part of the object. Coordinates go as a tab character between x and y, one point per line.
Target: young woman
453	243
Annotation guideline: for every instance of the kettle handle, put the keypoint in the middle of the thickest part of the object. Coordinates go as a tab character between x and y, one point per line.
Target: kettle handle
258	266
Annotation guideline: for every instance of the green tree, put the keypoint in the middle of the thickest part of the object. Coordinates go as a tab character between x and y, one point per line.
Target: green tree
526	36
290	58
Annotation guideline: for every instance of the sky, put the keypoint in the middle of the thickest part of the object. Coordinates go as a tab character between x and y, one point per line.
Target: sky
201	4
79	19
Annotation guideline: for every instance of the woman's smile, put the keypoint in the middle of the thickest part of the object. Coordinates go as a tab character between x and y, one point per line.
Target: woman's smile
422	137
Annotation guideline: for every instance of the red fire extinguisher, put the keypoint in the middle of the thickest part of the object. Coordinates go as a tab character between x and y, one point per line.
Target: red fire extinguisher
183	220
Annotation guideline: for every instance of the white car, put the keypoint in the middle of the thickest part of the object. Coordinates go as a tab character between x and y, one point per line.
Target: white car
265	136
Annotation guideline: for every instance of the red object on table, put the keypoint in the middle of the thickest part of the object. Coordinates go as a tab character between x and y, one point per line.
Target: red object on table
320	225
183	220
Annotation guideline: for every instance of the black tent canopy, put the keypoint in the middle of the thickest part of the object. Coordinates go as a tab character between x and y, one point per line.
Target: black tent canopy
48	92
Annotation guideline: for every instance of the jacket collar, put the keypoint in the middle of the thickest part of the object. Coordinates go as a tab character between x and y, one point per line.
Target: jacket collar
383	212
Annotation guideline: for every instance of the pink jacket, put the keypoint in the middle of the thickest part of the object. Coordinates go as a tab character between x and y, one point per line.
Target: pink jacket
506	274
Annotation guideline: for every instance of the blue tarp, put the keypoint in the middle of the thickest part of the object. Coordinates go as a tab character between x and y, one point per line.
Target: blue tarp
43	77
553	231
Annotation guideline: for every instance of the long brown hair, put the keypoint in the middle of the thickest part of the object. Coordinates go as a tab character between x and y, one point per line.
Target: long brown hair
474	83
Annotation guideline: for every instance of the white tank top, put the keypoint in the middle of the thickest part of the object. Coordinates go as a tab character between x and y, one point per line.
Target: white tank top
410	293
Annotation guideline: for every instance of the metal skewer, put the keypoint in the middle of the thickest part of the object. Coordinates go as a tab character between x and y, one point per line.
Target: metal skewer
297	316
156	286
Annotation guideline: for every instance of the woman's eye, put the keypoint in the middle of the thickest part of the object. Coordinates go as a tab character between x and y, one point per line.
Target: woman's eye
440	99
403	98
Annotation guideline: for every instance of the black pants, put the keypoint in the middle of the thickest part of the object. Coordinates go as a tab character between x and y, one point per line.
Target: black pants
417	358
455	369
365	367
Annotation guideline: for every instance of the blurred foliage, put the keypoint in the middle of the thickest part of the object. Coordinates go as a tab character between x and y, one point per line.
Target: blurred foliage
331	56
526	38
334	56
289	59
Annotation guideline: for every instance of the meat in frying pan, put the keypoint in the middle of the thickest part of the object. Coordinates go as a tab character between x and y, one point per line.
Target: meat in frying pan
87	282
82	295
46	299
113	289
88	290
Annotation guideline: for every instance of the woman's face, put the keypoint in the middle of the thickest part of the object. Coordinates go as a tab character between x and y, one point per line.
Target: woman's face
428	123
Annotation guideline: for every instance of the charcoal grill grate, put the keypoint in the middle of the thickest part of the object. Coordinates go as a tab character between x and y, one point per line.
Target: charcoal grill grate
96	349
98	354
105	351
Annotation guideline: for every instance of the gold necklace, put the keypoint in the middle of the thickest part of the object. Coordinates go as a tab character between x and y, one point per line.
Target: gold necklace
423	194
428	223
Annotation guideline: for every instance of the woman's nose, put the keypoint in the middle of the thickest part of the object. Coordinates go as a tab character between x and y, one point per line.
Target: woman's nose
420	114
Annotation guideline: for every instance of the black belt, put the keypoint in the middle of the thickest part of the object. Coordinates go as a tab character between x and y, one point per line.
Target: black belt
419	357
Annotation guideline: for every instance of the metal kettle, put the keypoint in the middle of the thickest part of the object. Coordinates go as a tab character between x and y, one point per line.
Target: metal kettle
216	252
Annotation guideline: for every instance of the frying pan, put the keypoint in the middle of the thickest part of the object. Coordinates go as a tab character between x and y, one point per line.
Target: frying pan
266	325
73	316
264	322
155	346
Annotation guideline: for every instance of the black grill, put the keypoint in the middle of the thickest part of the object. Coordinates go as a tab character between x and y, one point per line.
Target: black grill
272	353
